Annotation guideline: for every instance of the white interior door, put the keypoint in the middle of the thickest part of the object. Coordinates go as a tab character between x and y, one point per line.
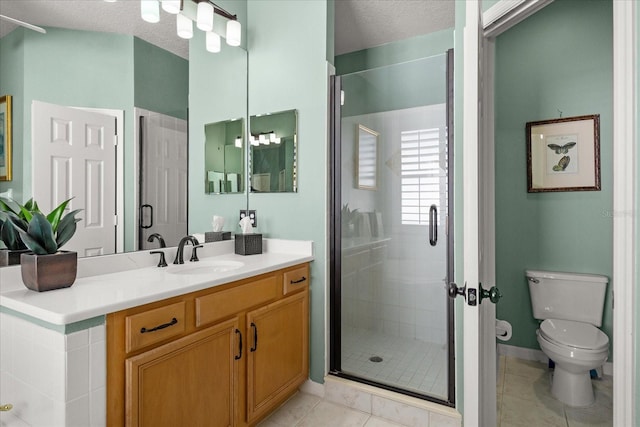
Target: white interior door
74	155
478	312
163	198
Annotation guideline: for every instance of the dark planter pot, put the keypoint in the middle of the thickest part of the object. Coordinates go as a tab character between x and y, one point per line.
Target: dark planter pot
10	257
47	272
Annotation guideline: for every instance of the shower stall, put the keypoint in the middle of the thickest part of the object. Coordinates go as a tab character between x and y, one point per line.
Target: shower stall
391	242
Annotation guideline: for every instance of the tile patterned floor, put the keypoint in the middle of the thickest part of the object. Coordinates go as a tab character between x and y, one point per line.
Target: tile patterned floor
524	399
406	363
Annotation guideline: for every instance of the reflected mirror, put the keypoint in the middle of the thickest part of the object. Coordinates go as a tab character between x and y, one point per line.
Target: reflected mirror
120	71
273	152
224	157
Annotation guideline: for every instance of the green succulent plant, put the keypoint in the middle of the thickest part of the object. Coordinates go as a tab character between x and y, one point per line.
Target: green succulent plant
8	234
44	234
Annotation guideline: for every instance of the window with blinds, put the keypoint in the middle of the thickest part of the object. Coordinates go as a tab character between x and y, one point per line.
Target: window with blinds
423	175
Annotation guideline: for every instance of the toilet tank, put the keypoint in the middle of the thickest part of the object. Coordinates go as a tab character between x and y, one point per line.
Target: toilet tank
568	296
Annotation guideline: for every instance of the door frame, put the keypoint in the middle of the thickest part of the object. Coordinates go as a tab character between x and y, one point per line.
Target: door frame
498	19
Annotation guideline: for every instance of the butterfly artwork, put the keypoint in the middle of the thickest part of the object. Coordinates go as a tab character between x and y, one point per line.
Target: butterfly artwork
562	149
562	163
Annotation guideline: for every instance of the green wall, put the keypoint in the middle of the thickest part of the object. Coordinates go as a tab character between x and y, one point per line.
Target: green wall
558	59
217	92
288	70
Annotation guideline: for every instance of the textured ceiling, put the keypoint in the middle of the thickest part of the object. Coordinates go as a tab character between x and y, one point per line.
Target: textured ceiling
359	24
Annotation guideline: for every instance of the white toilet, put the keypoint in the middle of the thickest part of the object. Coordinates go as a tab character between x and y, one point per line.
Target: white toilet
570	306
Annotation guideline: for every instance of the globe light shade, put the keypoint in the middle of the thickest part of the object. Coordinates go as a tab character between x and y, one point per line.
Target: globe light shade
150	10
184	26
213	42
204	16
234	33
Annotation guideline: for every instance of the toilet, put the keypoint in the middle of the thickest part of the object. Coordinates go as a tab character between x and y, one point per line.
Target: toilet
570	306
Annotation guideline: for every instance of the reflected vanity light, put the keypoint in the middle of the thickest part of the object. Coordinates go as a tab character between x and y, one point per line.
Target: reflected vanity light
201	12
264	138
184	26
239	141
150	10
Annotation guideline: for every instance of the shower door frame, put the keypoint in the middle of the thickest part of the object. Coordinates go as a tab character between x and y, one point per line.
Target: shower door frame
335	243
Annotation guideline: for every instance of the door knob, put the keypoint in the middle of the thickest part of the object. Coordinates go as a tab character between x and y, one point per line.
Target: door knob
454	290
493	294
6	407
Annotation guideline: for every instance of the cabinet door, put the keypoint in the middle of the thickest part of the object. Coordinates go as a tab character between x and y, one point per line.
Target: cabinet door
278	357
188	382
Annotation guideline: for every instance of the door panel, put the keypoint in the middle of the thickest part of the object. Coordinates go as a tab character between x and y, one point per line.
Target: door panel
75	150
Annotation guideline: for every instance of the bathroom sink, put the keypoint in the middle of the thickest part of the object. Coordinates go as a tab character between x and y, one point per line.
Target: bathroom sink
204	267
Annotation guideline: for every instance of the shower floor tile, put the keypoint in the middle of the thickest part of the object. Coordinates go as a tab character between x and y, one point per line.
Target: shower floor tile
406	363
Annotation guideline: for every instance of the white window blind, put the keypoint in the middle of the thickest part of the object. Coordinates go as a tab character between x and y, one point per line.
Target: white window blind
423	175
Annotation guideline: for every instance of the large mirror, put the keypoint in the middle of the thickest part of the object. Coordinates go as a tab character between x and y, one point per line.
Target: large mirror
224	157
126	71
273	152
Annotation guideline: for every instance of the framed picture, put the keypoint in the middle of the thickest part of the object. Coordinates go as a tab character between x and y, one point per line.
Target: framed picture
367	158
5	138
564	154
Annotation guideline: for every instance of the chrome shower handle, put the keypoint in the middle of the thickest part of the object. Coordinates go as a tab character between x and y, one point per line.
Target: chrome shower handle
433	225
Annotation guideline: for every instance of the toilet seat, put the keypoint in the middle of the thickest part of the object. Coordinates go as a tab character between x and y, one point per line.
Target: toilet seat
578	335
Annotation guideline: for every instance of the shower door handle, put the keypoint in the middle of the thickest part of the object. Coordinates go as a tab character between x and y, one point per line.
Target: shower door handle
142	208
433	225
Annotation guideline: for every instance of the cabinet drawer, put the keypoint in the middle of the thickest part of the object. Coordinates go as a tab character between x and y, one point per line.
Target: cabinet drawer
296	279
154	325
218	305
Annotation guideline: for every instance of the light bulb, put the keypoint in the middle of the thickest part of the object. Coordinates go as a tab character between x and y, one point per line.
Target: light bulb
277	141
213	42
204	16
184	26
272	137
239	141
150	10
234	33
171	6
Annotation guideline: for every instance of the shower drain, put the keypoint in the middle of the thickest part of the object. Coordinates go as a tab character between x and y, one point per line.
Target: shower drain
375	359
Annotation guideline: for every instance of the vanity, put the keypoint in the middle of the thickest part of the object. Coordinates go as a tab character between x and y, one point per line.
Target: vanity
219	342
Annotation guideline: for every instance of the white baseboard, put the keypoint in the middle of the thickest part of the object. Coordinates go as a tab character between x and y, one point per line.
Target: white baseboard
538	356
313	388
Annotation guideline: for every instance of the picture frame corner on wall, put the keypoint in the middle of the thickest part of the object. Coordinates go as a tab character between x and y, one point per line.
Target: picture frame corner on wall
6	134
563	154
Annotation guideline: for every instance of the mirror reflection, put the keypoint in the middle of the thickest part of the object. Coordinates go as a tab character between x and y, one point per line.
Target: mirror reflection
224	156
273	152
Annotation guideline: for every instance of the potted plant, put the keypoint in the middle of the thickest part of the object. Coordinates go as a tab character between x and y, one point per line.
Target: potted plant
14	246
46	267
349	219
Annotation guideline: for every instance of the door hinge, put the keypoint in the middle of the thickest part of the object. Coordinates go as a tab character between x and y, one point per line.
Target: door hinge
115	220
115	140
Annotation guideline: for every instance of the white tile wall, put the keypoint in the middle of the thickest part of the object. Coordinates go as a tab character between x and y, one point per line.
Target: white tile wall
51	378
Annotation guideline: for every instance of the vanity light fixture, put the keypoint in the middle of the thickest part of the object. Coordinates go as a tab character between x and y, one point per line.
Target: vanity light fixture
150	10
239	141
201	12
264	138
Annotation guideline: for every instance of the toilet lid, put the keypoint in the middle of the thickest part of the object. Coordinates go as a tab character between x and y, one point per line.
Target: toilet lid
574	334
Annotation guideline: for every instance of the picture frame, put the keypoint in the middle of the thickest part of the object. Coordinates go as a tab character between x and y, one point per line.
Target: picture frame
564	154
366	158
6	133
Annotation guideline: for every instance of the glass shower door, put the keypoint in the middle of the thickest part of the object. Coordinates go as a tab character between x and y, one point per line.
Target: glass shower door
394	317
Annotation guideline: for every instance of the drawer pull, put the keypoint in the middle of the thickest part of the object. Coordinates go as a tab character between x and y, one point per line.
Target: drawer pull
293	282
255	337
239	356
157	328
6	407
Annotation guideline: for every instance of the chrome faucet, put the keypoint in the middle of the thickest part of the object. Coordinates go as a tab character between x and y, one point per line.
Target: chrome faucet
159	238
179	254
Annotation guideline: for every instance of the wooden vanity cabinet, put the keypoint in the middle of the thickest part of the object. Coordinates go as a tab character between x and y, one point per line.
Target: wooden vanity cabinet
225	356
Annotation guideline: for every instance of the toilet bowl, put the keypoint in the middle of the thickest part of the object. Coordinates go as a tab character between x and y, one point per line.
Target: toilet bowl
576	348
570	306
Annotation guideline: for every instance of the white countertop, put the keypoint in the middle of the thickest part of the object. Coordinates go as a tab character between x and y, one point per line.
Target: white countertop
97	295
